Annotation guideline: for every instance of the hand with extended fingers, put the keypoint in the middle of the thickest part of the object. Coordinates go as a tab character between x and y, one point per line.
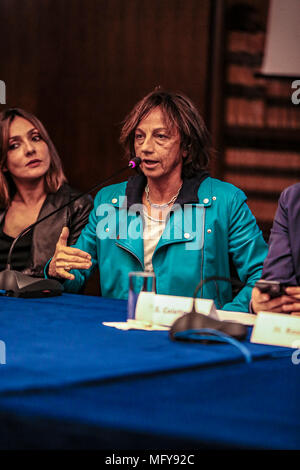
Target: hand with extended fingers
66	258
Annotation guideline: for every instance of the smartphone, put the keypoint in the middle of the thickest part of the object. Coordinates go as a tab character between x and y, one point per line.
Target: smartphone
273	288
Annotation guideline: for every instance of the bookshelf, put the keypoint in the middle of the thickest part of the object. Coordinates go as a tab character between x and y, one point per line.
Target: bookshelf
259	138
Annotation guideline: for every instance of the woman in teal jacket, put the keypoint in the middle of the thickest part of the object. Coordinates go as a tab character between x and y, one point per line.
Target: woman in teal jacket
171	218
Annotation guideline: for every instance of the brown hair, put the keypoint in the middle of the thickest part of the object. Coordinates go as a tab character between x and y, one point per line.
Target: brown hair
178	110
55	176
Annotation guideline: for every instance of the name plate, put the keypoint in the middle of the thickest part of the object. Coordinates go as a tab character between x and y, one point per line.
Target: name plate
165	309
276	329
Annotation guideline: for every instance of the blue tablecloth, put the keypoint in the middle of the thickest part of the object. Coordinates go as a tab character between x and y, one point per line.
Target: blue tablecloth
240	406
61	340
70	382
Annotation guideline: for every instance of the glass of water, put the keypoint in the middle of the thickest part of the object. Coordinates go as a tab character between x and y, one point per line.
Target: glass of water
139	282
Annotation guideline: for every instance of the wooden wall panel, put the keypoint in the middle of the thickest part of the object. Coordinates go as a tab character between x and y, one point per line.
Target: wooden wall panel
80	65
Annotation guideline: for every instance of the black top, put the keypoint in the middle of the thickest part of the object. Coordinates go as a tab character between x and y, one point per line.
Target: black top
45	235
21	253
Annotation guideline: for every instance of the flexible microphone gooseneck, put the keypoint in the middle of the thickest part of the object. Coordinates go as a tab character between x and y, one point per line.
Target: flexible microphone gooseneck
16	284
233	282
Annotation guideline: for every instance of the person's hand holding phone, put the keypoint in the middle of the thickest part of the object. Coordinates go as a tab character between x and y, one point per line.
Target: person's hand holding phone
271	296
293	307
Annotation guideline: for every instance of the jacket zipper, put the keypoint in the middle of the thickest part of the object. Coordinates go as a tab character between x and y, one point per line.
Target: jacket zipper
131	252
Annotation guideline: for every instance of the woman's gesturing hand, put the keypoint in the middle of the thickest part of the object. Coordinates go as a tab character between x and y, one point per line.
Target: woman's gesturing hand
66	258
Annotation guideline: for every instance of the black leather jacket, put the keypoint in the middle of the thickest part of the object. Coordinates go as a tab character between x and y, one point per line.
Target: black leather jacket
46	234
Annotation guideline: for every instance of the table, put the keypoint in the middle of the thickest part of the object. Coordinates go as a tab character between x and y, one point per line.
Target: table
70	382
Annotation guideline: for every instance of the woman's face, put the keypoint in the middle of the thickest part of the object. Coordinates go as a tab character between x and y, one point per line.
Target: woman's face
158	146
28	157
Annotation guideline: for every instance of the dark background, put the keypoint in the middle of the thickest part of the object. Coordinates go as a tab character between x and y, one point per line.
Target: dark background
81	65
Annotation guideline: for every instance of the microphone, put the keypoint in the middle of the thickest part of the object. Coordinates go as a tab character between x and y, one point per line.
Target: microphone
16	284
191	325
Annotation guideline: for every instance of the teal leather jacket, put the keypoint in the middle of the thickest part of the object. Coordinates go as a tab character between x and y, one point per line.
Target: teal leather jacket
209	230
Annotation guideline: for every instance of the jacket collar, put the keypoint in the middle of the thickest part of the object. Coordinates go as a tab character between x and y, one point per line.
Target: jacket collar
187	195
57	199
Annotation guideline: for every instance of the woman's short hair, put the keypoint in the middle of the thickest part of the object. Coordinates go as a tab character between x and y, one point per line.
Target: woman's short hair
179	111
55	176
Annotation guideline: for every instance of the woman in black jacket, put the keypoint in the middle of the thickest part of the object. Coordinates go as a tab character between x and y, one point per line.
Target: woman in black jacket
33	184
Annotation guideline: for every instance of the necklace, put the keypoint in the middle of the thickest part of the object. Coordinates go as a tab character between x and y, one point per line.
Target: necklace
161	206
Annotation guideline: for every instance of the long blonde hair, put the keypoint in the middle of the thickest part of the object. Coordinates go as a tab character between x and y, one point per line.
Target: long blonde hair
55	176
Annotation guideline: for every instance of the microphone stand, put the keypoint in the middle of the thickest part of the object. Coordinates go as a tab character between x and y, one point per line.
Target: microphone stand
15	283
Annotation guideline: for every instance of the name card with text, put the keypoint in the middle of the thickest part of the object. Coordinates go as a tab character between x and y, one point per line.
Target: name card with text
168	308
157	309
165	309
276	329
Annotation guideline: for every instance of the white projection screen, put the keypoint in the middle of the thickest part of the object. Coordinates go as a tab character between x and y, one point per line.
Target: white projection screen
282	46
